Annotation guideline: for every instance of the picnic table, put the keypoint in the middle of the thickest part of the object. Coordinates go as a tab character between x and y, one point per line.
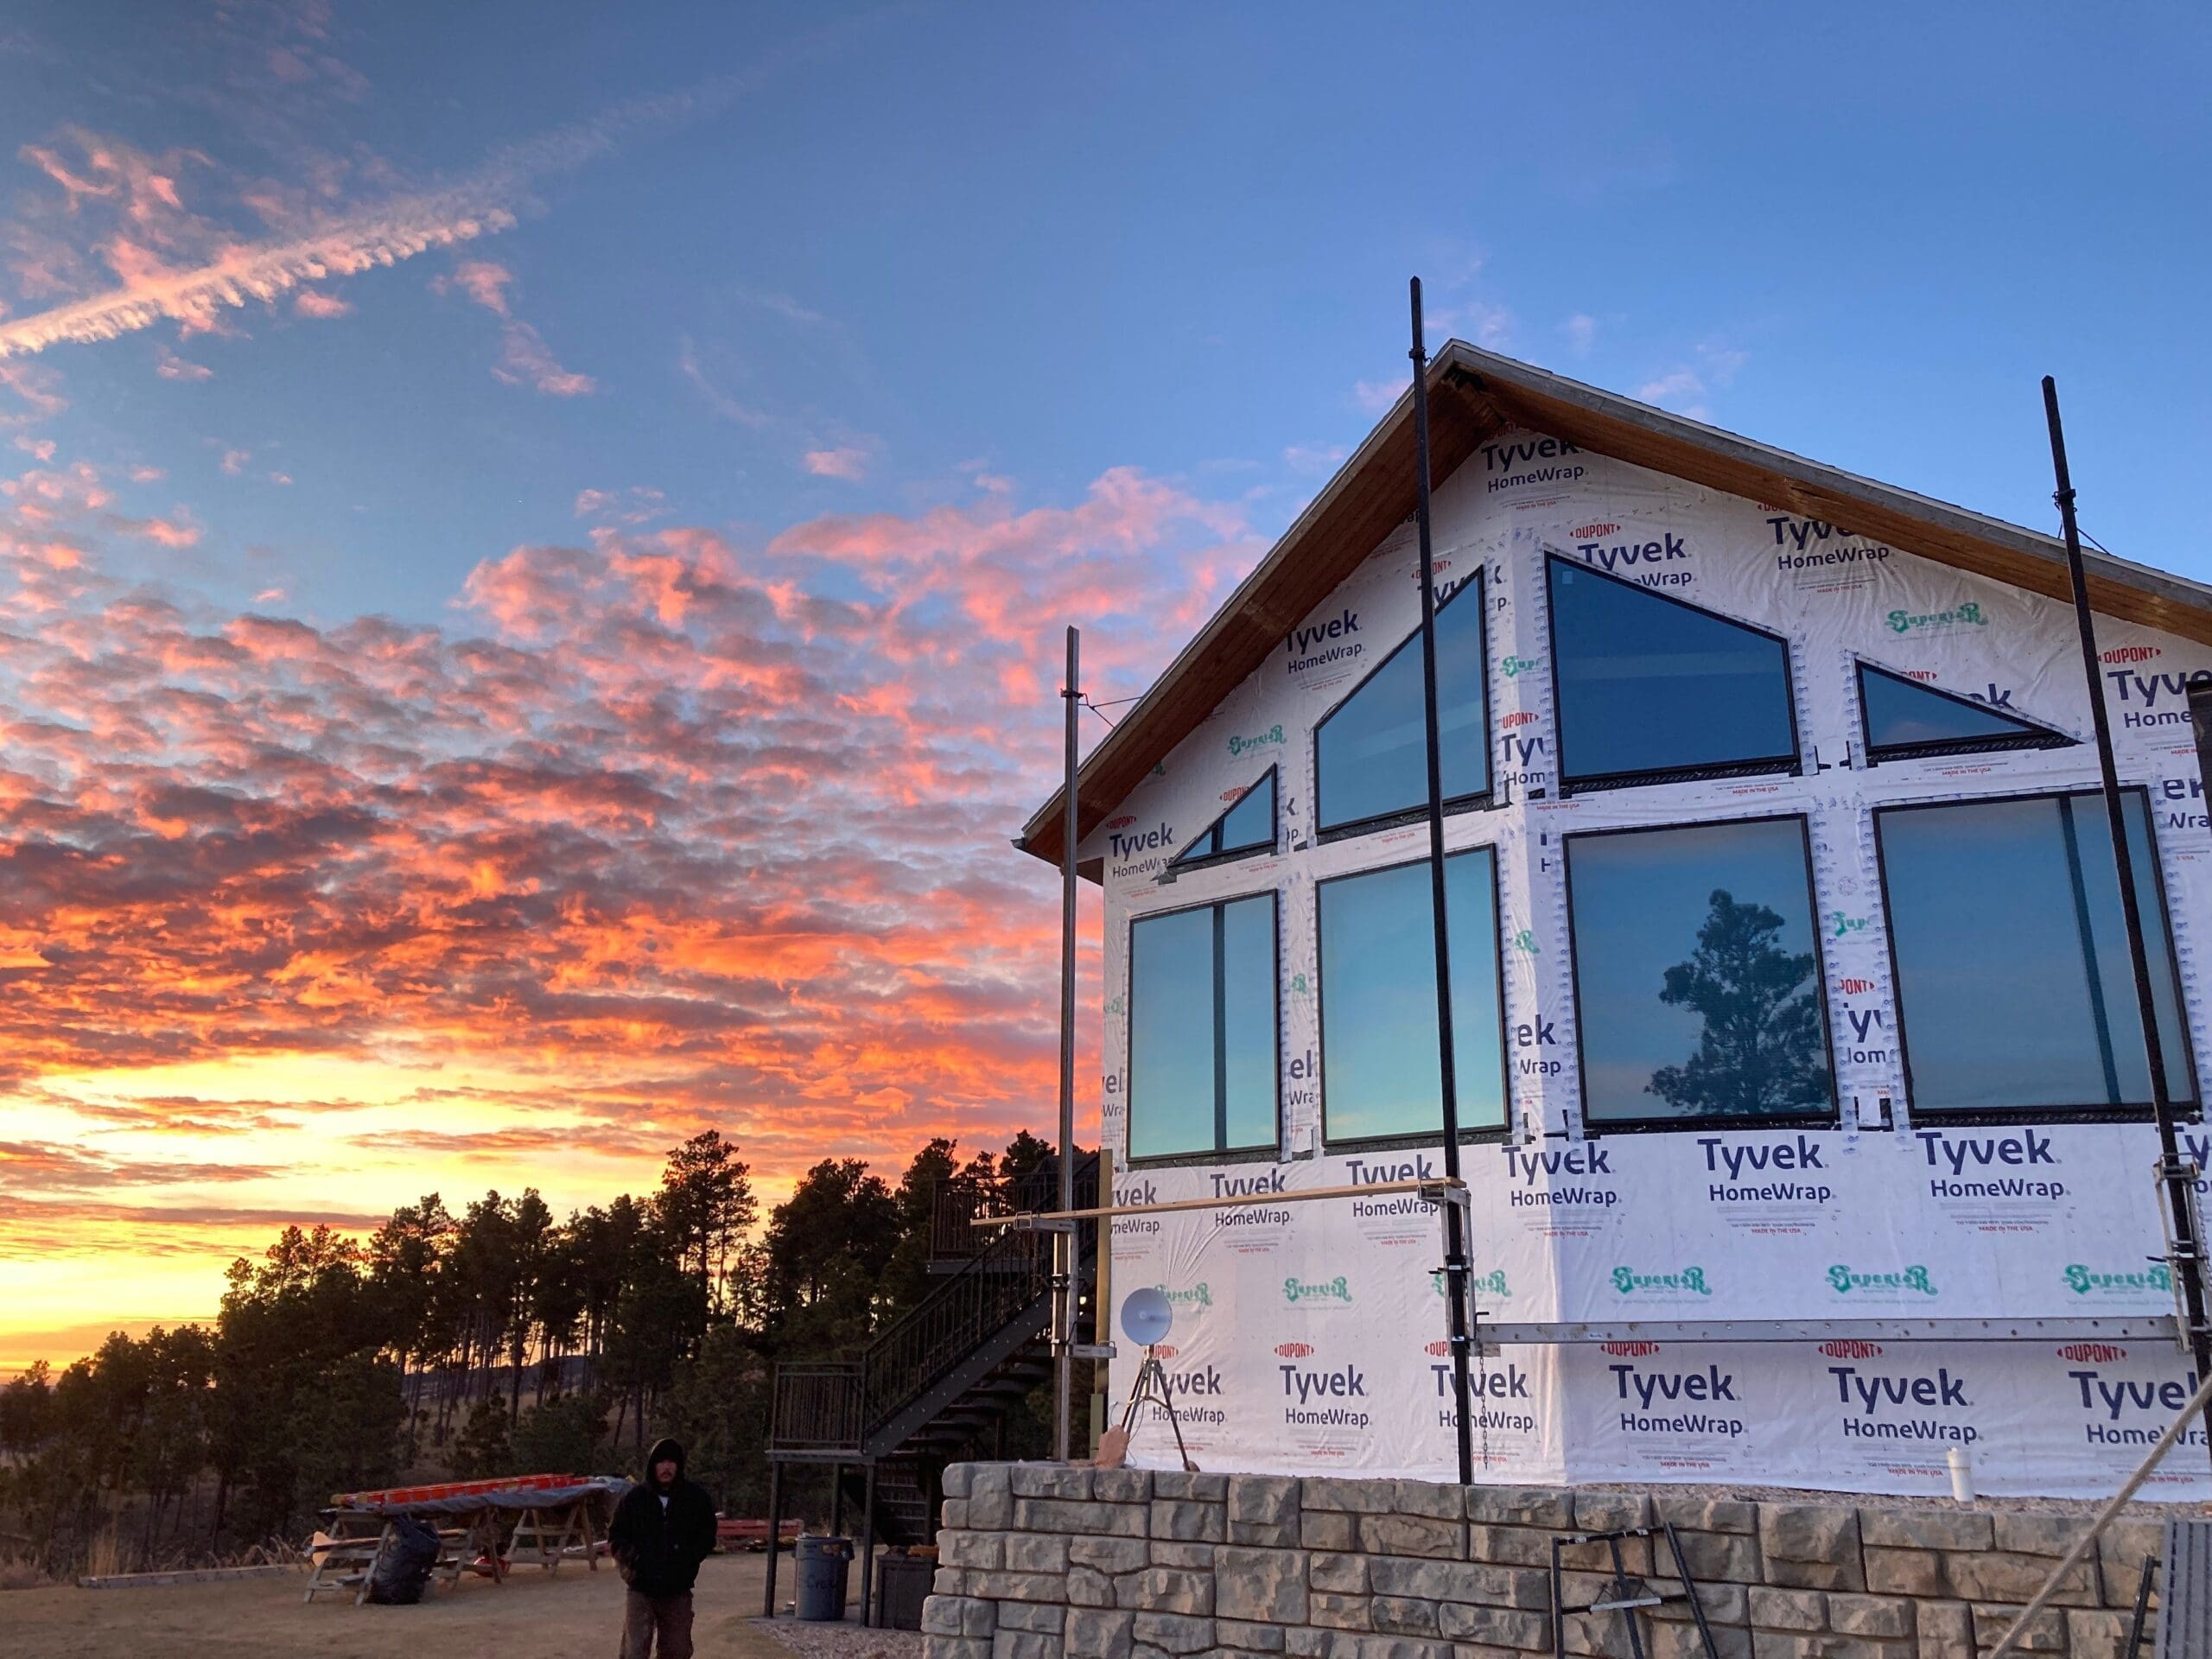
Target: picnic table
552	1514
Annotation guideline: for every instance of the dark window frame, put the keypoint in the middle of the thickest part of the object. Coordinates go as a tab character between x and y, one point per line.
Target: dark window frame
2045	737
1392	1142
1793	763
1592	1128
1185	864
1269	1151
2126	1111
1478	584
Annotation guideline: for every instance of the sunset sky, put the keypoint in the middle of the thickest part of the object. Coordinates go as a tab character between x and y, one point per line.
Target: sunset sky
534	538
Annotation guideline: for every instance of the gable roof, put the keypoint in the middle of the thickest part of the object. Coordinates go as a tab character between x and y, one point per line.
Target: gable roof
1472	396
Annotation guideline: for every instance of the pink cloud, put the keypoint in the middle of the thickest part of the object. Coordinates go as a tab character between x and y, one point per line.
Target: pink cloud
310	303
169	533
669	829
170	366
847	463
525	360
234	460
483	281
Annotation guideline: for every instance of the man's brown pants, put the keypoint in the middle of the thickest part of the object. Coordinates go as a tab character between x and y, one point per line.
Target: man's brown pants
665	1617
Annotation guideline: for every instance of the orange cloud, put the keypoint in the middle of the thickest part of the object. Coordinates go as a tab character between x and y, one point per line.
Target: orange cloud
848	463
666	831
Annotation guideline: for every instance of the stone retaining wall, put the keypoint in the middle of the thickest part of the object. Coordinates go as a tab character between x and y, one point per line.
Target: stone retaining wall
1038	1561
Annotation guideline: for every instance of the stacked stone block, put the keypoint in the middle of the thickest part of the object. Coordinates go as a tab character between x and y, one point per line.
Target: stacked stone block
1039	1561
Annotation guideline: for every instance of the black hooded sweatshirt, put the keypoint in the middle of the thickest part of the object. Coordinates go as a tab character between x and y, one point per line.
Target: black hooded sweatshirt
660	1546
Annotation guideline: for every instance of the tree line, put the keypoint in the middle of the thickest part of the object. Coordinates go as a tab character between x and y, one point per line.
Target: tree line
494	1340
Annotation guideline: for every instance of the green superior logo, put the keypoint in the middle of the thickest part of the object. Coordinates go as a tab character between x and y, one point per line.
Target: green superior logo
1627	1281
1301	986
1524	940
1488	1284
1913	1279
2082	1282
1517	666
1843	924
1333	1290
1198	1295
1967	615
1240	745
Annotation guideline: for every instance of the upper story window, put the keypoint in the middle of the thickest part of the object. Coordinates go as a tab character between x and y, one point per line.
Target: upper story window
1697	976
1905	719
1370	751
1652	690
2015	992
1247	828
1203	1079
1380	1067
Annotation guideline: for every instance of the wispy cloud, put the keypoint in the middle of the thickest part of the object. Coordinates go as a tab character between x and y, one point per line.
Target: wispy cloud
524	358
240	272
170	366
849	463
313	302
1581	332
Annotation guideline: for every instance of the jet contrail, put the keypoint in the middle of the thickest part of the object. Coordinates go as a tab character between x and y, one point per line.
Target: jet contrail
380	235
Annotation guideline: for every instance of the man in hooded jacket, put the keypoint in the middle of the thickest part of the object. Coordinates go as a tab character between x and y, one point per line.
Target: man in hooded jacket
663	1529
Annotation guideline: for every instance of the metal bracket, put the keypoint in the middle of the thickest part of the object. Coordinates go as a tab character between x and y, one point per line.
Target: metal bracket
1040	1225
1091	1350
1437	1193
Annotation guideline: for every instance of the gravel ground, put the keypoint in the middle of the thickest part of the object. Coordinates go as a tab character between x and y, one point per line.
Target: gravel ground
847	1641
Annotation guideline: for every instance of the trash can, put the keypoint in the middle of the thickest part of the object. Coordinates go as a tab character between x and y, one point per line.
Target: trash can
902	1585
823	1562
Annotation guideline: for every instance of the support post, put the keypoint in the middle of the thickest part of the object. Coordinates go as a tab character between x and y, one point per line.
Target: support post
1455	1256
775	1534
1064	1260
2176	1174
868	1545
836	1500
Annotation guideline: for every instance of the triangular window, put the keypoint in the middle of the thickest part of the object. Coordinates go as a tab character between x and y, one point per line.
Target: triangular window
1904	720
1652	690
1370	751
1247	827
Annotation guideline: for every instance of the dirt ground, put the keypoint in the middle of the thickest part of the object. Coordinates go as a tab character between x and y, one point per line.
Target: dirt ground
574	1614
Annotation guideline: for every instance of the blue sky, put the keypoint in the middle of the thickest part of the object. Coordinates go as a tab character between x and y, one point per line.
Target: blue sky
1038	243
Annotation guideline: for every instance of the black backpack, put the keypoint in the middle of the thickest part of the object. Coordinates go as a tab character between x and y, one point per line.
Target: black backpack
403	1563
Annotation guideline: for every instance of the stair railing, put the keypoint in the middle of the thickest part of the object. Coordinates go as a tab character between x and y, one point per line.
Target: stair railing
832	1406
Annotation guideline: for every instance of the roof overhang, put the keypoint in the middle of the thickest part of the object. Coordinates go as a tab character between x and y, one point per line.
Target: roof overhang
1472	396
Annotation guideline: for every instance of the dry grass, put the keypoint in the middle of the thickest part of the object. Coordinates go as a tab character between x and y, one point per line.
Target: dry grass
22	1575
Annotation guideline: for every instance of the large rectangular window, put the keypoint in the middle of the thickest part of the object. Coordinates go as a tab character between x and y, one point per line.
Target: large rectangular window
1203	1076
1380	1065
1697	976
2014	987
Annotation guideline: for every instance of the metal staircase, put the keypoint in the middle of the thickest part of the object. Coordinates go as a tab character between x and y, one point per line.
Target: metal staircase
938	1383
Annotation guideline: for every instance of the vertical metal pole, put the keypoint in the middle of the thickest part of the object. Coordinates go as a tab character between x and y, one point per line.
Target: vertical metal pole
867	1546
775	1533
1455	1256
2175	1173
1063	1278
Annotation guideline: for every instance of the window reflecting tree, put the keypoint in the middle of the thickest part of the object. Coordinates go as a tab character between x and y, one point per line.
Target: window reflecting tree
1761	1047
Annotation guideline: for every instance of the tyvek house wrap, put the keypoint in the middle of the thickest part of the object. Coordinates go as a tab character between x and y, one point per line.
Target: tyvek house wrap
1272	1374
